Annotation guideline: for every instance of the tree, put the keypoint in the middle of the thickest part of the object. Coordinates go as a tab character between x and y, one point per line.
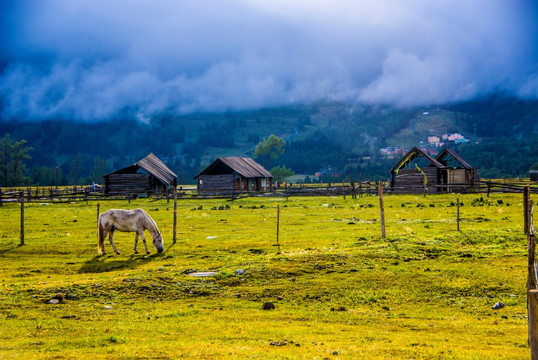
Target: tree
46	175
280	173
269	148
12	168
75	171
5	151
100	168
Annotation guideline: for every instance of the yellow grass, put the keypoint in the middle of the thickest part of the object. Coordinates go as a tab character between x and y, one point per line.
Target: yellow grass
340	291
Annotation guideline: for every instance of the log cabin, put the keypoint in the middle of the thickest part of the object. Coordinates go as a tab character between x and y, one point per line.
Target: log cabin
418	172
233	174
148	176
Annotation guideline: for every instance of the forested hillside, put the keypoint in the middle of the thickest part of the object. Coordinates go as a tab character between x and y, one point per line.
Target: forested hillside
502	133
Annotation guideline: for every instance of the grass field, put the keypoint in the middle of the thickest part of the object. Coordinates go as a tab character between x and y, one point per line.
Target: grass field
340	291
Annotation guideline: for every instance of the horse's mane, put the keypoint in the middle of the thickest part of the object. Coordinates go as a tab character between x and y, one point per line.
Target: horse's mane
151	220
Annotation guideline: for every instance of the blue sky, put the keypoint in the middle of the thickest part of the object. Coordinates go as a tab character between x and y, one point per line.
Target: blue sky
93	60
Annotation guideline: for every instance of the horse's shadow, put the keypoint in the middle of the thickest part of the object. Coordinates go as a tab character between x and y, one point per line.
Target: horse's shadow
9	248
106	263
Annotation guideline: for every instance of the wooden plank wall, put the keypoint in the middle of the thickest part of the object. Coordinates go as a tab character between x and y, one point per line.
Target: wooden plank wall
457	176
127	184
414	178
216	183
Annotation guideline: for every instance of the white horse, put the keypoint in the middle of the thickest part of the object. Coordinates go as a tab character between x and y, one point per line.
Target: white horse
129	221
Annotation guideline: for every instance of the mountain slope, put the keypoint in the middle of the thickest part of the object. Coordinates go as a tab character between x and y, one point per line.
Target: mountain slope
336	135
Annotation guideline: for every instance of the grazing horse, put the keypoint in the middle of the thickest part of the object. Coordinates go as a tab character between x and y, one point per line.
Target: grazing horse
129	221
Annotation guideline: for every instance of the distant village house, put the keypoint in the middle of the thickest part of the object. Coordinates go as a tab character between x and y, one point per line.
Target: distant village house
390	151
434	140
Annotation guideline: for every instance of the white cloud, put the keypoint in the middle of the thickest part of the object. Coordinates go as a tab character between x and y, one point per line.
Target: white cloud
93	60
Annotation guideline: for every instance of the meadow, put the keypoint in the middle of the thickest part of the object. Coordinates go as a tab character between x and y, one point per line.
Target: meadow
339	289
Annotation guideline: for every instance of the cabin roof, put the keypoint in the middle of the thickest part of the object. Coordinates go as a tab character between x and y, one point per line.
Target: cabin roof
446	152
246	167
414	153
152	165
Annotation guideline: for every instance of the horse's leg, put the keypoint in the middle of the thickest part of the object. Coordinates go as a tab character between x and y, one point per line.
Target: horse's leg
102	239
136	241
111	239
141	232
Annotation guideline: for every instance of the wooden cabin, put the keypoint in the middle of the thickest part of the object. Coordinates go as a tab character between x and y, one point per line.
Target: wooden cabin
148	176
233	174
459	173
417	172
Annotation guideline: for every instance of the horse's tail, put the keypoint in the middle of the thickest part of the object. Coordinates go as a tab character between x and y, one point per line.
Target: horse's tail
101	240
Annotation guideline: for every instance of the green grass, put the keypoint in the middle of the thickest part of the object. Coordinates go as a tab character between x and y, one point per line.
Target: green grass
426	291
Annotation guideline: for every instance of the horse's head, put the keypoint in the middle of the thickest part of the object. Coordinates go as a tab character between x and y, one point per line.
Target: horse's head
158	242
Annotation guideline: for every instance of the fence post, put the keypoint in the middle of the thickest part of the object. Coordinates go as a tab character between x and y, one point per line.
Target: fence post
1	203
532	297
175	214
278	226
489	186
22	217
458	213
532	283
526	197
382	210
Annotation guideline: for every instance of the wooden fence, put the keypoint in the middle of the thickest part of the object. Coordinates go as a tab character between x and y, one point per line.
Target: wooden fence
88	193
49	194
484	186
369	188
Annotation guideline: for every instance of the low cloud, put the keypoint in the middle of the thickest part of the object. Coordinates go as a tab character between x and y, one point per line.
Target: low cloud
102	59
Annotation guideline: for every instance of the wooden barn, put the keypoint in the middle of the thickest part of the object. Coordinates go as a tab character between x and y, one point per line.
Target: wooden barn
459	173
148	176
417	171
233	174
